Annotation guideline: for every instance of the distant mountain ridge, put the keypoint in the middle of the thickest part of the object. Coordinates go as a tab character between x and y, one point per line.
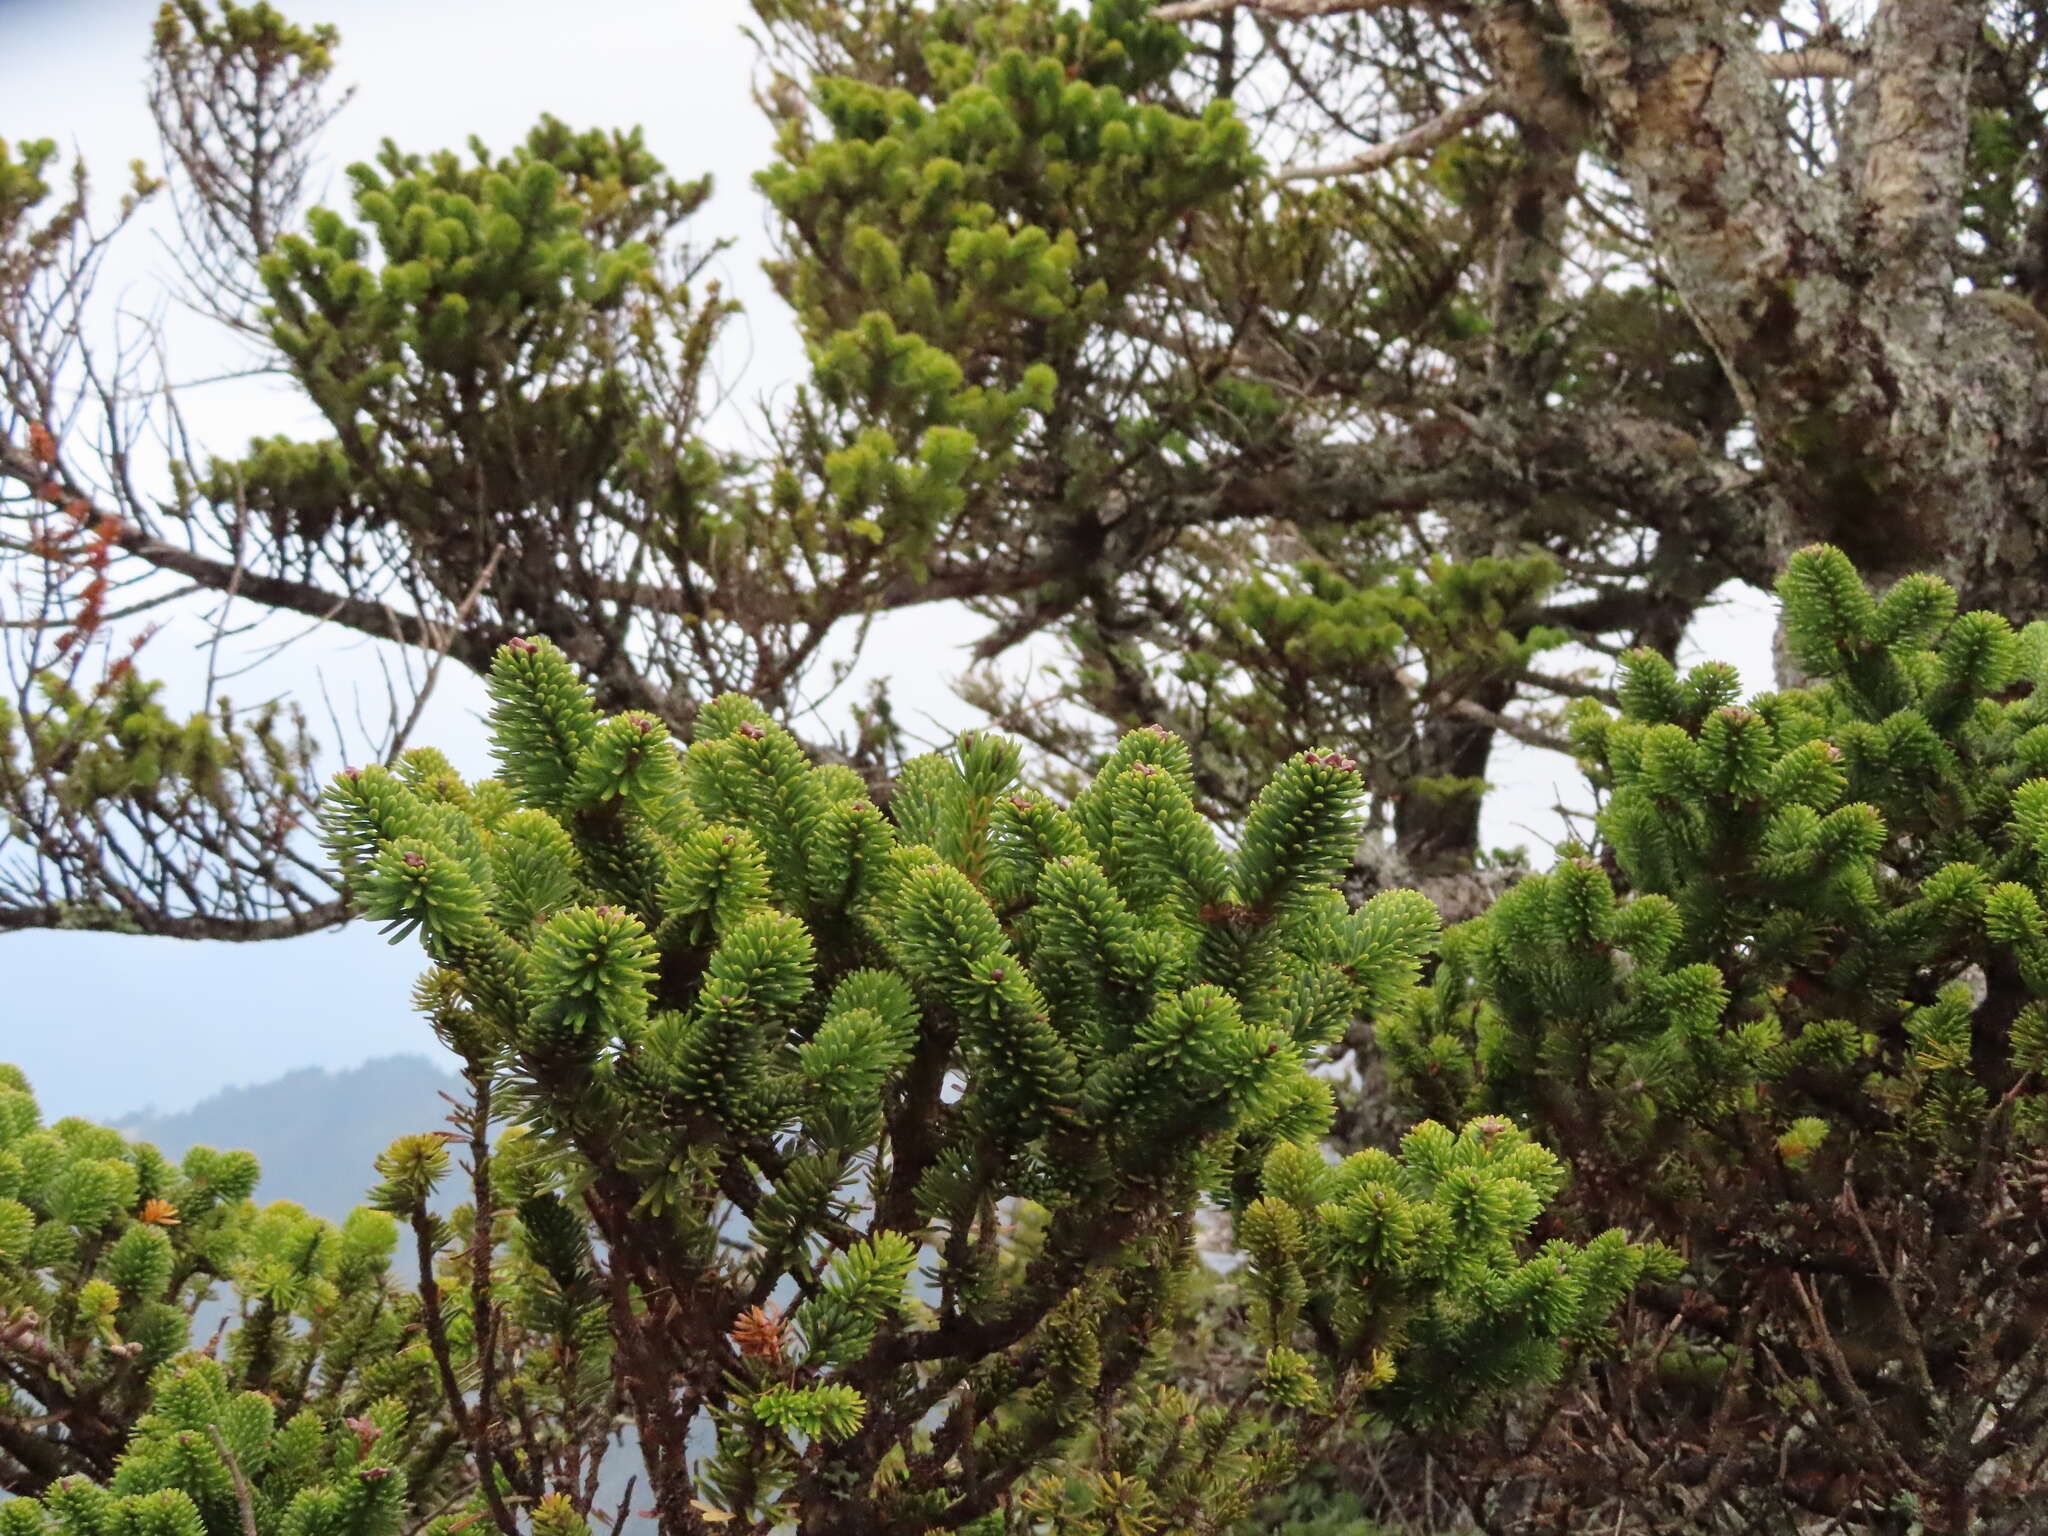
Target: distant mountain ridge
315	1131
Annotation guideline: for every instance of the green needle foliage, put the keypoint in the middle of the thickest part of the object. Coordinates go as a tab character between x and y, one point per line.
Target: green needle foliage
873	1143
1076	359
1790	1017
210	1461
108	1253
981	199
146	1306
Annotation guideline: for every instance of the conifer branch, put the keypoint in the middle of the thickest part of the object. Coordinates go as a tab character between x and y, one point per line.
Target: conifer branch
376	619
476	1434
475	1119
735	889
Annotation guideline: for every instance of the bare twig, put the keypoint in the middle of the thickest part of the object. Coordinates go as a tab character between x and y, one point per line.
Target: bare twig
1810	64
243	1500
473	1430
448	634
625	1505
1419	140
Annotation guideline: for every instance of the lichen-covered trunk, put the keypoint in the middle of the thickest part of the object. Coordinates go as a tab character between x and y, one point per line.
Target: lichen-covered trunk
1899	417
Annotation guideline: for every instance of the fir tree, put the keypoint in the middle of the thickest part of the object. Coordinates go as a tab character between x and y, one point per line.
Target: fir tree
1787	1014
1076	359
108	1252
208	1460
875	1140
145	1306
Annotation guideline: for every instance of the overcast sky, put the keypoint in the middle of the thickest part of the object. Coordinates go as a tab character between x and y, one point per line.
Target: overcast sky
105	1025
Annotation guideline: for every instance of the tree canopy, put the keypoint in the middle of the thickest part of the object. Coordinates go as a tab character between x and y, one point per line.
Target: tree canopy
1302	371
1335	387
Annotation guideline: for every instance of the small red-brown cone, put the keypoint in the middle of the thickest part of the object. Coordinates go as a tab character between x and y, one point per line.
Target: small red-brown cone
758	1335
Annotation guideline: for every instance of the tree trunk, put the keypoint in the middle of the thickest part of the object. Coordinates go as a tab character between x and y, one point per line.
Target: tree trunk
1900	419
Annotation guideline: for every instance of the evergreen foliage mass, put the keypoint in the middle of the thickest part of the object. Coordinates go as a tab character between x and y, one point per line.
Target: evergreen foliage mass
177	1358
845	1124
1788	1016
112	1259
1003	1044
1074	359
207	1460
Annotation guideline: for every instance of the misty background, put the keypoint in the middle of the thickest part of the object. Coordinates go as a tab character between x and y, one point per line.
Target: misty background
139	1031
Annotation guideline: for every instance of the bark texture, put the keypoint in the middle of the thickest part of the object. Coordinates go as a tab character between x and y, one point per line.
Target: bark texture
1901	415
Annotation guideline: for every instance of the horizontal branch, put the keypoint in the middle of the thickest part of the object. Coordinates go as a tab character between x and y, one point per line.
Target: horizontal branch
1285	10
1492	719
377	619
1810	64
1820	63
109	918
302	597
1569	687
1507	725
1419	140
940	585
